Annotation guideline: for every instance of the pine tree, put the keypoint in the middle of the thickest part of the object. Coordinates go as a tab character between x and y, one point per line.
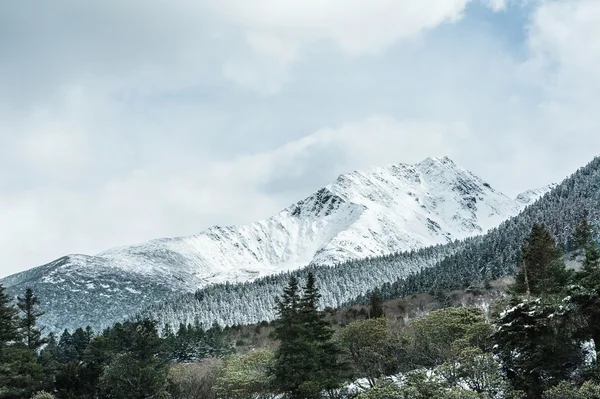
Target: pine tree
537	346
28	305
589	276
307	361
20	374
376	306
582	236
289	356
9	330
66	351
81	340
542	270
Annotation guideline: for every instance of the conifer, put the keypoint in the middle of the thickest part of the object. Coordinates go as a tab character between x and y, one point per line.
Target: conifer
28	305
542	270
9	331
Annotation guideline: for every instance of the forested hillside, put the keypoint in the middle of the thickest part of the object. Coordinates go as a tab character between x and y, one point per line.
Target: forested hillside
444	267
497	253
247	303
538	342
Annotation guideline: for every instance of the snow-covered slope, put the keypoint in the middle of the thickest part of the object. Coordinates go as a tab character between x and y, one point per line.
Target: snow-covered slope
530	196
382	210
374	212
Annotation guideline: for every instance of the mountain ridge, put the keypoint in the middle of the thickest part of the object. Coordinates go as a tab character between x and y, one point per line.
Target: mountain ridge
362	214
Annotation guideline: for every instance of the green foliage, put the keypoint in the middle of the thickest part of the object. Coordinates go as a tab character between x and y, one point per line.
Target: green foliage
383	390
542	270
307	361
193	343
582	236
436	335
194	380
43	395
9	331
20	374
476	370
565	390
537	345
130	376
376	306
28	305
374	347
589	276
244	376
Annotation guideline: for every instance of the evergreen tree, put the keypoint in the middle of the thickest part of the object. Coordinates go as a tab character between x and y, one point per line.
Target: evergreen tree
582	236
307	361
288	332
28	305
48	362
376	306
20	373
329	370
66	351
537	345
589	276
9	330
542	269
136	370
81	340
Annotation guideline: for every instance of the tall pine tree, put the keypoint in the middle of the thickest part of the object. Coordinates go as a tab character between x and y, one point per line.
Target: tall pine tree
582	236
28	305
543	269
288	331
20	374
307	361
9	329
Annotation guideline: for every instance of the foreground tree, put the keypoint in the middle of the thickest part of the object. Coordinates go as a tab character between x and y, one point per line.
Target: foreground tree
246	376
20	374
28	305
136	371
565	390
537	345
436	336
376	350
307	361
542	270
582	236
9	330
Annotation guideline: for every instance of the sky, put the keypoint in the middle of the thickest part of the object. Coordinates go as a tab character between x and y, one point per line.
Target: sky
123	121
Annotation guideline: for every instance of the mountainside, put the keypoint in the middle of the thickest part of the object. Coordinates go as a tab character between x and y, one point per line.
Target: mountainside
496	254
530	196
456	265
362	214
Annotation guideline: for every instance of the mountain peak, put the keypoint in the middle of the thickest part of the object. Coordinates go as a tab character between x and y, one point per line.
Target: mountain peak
368	213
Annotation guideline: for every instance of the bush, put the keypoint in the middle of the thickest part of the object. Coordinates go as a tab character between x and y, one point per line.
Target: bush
194	381
564	390
43	395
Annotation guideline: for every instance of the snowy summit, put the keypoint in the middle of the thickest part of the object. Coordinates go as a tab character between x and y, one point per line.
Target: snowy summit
367	213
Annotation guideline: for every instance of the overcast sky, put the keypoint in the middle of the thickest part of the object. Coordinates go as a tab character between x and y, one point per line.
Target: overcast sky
122	120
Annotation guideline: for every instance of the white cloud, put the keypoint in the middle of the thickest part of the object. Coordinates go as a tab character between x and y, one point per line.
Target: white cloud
496	5
142	138
154	202
276	30
265	67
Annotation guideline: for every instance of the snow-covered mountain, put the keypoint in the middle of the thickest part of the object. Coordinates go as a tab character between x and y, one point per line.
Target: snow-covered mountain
374	212
530	196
